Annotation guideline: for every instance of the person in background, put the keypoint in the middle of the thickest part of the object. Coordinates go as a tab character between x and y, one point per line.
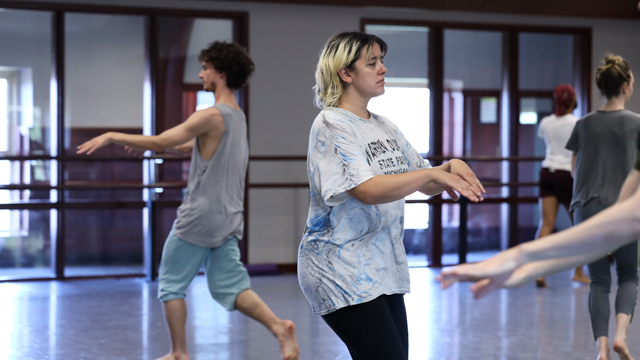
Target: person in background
210	219
605	145
556	181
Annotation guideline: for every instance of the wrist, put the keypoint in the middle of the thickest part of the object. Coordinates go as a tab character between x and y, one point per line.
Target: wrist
521	255
446	167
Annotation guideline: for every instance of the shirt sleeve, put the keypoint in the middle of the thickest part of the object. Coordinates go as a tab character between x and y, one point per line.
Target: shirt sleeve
541	128
341	164
574	140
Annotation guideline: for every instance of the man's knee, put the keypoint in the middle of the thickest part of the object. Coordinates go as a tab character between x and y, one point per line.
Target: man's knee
166	294
228	300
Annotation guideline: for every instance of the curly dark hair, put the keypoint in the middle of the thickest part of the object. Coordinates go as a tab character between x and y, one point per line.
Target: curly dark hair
231	59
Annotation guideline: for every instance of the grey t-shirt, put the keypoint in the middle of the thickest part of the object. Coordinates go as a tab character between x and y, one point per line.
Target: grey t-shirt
212	209
606	144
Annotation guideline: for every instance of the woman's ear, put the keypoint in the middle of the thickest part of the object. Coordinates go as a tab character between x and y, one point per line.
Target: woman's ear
345	75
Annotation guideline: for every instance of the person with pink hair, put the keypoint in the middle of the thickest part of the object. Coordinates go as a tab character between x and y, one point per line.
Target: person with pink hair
556	179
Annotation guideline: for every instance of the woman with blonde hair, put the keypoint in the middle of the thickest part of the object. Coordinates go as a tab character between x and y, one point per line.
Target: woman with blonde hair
605	145
352	265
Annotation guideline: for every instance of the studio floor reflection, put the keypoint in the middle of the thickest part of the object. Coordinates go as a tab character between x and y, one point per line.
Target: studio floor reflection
122	319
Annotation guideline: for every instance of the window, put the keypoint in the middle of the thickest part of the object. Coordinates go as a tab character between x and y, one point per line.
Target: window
4	115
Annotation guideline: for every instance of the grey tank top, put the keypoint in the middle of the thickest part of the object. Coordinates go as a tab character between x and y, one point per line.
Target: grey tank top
212	209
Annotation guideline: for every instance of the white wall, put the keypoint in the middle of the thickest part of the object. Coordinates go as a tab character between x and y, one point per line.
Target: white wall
104	71
284	41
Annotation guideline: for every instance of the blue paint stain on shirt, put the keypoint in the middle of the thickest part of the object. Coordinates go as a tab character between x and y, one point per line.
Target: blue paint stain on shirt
352	252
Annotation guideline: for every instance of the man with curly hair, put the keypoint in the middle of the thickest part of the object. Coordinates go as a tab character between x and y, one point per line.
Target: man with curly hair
210	218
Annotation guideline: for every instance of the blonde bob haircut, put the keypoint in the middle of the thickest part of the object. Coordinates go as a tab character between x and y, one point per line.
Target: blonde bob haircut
341	51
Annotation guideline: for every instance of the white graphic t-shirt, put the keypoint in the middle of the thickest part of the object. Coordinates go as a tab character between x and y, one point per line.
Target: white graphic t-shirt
351	252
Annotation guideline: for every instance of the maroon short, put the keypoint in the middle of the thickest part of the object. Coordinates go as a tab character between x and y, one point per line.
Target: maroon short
558	183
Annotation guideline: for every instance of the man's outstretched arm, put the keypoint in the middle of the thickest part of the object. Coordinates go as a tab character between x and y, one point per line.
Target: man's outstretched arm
198	123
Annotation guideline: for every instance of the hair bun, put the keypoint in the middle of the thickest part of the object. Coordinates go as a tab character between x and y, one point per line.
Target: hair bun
612	75
611	60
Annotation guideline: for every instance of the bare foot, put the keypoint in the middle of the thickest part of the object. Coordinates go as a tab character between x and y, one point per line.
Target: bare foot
286	335
172	356
541	283
582	278
603	354
620	346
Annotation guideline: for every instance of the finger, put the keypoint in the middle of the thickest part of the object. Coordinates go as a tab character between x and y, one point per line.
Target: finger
452	193
81	148
460	273
84	150
446	281
461	187
446	284
470	178
481	288
481	187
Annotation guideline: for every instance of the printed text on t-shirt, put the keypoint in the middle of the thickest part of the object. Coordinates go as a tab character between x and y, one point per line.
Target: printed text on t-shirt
377	148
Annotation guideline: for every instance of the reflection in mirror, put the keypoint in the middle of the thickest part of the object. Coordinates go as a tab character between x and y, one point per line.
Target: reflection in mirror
25	76
25	243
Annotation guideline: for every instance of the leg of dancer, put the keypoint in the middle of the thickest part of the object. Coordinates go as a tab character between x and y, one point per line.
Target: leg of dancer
600	271
578	274
627	269
373	330
600	286
548	212
229	285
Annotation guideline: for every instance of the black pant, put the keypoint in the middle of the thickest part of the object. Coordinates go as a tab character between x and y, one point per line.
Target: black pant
373	330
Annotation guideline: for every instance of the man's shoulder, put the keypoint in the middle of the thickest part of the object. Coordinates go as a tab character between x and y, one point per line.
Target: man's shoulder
212	115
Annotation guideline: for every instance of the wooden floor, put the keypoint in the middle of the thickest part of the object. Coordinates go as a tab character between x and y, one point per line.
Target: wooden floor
122	319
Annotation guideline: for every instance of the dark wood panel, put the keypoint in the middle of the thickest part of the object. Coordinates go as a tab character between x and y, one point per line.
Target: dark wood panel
613	9
616	9
478	26
121	10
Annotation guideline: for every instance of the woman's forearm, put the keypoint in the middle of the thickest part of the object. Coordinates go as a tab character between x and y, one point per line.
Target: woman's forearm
544	268
603	233
387	188
630	185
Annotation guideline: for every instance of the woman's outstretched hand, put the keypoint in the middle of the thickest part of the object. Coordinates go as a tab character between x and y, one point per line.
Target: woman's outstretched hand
460	168
488	275
461	179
